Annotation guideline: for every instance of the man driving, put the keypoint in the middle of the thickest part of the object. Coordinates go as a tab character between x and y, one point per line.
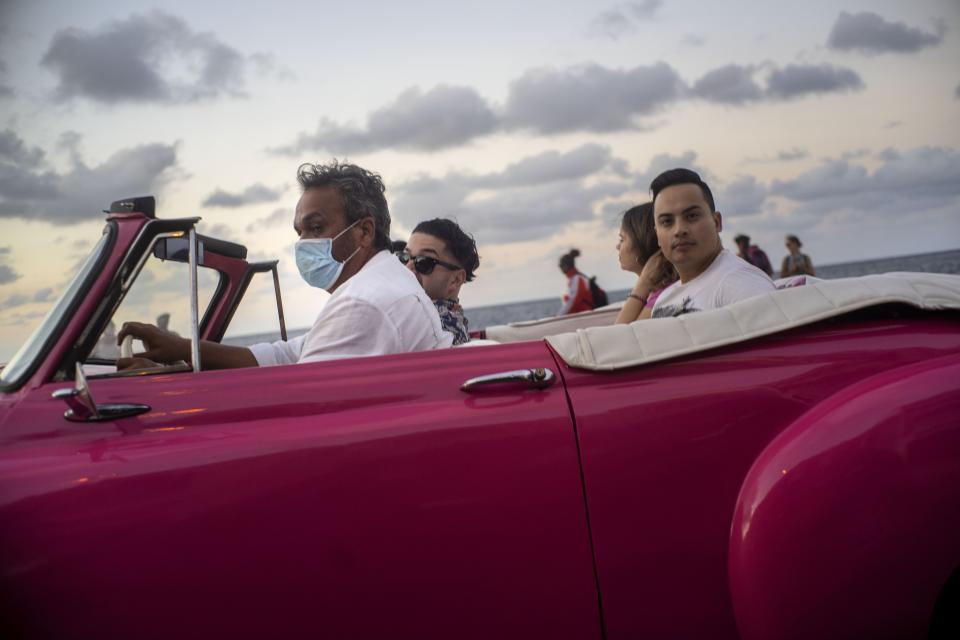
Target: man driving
377	306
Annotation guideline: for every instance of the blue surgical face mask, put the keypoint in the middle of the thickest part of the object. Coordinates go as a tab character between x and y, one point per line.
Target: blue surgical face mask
316	262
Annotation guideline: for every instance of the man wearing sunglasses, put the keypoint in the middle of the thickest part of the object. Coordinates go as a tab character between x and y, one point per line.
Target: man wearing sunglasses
442	257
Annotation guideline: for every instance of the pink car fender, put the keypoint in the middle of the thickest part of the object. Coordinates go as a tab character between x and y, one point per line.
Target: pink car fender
848	523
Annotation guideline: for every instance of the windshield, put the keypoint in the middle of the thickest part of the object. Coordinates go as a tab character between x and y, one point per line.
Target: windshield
23	361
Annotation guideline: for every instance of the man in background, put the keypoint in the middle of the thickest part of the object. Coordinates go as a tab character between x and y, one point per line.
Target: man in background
753	254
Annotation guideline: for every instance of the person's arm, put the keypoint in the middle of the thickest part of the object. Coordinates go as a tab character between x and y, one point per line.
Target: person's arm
808	266
165	346
350	328
638	299
783	269
570	297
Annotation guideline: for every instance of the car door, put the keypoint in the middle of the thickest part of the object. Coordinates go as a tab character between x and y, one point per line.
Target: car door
362	498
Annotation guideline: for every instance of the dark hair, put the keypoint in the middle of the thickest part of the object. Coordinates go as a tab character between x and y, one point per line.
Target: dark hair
461	245
672	177
637	222
795	239
360	190
567	260
741	237
396	246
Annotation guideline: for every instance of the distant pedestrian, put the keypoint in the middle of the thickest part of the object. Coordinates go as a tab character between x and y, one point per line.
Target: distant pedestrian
579	295
796	263
753	254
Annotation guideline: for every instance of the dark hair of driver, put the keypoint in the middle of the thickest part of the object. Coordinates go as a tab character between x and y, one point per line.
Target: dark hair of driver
672	177
361	192
459	243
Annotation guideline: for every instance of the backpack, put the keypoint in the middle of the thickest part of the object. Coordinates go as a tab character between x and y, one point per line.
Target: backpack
599	295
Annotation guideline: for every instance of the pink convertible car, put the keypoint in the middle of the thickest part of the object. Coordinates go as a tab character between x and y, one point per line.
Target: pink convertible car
787	467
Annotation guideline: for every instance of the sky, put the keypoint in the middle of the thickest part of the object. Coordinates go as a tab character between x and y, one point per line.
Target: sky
533	124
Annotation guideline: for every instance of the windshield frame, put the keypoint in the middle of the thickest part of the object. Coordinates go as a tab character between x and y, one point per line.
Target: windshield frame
37	347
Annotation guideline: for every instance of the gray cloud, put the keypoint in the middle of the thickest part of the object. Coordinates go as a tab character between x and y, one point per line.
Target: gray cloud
535	197
254	194
278	217
7	273
550	166
153	57
742	197
589	98
620	20
694	40
5	90
870	33
956	92
31	191
794	81
444	116
784	155
731	84
906	182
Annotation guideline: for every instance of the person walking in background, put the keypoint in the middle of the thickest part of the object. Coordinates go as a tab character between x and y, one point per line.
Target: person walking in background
578	296
640	254
796	263
753	254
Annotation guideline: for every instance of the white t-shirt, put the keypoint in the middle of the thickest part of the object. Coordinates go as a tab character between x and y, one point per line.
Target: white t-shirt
728	279
381	309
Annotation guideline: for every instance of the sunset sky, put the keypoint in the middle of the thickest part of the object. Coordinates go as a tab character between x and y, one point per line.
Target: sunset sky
532	124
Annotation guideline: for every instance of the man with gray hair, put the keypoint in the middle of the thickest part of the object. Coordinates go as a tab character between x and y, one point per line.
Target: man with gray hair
376	307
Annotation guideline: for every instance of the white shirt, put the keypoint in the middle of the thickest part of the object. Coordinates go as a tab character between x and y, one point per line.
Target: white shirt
381	309
728	279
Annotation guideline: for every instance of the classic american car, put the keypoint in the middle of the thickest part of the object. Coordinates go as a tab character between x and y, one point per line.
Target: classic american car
786	467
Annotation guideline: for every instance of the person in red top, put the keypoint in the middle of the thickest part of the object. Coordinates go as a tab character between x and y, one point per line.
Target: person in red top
578	296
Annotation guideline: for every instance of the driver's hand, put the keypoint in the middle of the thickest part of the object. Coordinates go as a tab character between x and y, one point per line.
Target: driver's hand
130	364
162	346
652	271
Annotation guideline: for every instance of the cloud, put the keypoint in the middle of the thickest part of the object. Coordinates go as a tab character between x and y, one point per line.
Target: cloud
152	57
5	90
731	84
784	155
956	92
7	273
32	191
279	216
620	20
742	197
794	81
535	197
445	116
693	40
254	194
871	34
550	166
904	183
589	98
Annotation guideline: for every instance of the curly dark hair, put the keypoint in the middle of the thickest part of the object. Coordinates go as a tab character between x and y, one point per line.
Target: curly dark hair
569	260
461	244
361	191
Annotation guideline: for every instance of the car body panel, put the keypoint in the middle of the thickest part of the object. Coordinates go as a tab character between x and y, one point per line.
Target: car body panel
665	449
353	498
858	502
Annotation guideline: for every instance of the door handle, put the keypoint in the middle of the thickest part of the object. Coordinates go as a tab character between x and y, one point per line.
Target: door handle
82	408
539	378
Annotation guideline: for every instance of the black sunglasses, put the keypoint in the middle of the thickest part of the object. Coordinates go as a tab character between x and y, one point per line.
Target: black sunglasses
425	264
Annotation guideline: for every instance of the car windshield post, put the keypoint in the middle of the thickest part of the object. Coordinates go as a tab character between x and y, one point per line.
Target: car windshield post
276	289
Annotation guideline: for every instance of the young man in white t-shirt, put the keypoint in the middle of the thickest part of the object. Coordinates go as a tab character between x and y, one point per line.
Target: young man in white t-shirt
688	230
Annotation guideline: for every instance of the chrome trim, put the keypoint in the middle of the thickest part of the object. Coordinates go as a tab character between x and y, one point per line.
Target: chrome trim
194	313
276	288
538	378
82	408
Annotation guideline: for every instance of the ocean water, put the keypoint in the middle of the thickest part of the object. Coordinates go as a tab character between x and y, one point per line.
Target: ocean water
480	317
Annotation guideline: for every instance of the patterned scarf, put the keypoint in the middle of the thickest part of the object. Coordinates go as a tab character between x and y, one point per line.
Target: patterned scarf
452	319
